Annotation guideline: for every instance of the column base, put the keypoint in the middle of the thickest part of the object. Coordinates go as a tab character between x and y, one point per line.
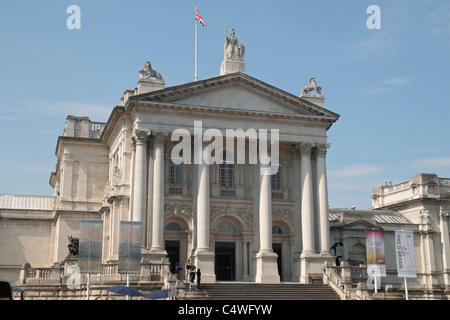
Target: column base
326	253
267	267
155	255
204	260
311	265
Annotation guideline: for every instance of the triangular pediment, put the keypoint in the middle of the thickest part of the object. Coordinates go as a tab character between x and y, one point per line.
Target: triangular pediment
237	92
360	225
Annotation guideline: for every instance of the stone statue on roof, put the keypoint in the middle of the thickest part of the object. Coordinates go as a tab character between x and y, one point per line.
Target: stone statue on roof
312	87
148	72
233	49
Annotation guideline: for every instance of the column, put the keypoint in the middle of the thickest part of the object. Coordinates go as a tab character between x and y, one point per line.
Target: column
266	259
308	252
322	195
157	247
443	226
140	138
245	247
307	200
204	257
297	197
203	207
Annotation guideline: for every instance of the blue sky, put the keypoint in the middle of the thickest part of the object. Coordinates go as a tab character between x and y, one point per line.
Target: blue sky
390	85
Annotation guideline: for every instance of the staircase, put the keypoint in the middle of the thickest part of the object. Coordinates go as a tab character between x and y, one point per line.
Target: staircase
256	291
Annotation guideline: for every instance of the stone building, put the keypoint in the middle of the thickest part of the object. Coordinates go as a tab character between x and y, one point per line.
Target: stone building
151	163
425	201
235	222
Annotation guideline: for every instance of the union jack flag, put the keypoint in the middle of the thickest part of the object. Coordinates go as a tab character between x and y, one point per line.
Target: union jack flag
199	18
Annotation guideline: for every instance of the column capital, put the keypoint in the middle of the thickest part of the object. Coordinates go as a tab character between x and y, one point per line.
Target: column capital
320	150
305	149
140	136
159	138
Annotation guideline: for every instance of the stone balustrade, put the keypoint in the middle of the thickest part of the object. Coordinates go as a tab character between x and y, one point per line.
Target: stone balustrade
348	281
59	273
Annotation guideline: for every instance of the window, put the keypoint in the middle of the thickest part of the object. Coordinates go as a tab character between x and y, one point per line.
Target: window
226	173
225	227
174	173
276	230
276	180
173	226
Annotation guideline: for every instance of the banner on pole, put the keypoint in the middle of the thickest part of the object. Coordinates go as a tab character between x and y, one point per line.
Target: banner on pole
130	247
90	247
404	249
375	252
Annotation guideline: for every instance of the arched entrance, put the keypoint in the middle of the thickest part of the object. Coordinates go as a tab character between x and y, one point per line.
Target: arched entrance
231	247
176	243
282	241
225	252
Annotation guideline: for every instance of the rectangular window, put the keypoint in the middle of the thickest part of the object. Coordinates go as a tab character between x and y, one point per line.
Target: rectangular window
174	173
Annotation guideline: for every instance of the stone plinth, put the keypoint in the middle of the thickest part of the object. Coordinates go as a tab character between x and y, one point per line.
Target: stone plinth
267	267
204	260
314	98
311	265
231	66
148	85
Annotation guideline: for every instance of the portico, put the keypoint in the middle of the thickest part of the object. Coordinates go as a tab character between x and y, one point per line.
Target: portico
292	202
229	171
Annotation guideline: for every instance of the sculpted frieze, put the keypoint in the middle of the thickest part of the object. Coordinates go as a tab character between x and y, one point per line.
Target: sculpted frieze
283	214
245	213
178	209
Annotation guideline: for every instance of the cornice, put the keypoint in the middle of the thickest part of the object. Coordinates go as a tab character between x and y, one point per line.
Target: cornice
75	140
201	112
164	102
240	80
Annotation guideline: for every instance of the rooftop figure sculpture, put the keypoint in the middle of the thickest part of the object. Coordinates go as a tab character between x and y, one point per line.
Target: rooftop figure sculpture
312	87
148	72
233	49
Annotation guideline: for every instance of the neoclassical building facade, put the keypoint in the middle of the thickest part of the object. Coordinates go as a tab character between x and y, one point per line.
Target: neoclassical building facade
151	163
234	222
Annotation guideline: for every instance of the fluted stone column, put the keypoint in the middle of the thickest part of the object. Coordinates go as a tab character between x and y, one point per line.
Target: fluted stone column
157	248
140	138
322	196
204	257
266	259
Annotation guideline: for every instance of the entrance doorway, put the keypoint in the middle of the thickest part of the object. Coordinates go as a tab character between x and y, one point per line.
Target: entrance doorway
173	252
277	249
225	261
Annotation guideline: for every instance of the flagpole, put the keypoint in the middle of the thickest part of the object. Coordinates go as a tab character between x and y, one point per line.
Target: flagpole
196	45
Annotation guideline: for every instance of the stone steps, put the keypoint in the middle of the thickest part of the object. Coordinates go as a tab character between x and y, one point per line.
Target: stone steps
255	291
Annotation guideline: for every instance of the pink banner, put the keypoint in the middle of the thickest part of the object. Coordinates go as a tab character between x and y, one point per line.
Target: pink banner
375	251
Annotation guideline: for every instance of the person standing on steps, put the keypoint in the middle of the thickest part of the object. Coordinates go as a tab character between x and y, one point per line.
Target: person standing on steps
199	276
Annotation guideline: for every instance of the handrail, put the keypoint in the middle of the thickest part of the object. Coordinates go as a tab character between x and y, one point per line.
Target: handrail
341	278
